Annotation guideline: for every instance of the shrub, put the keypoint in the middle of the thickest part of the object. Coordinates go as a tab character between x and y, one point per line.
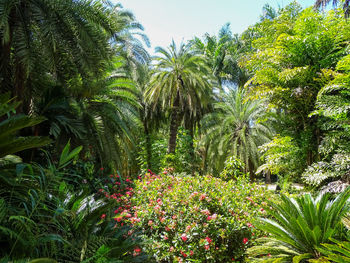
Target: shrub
202	219
299	228
233	169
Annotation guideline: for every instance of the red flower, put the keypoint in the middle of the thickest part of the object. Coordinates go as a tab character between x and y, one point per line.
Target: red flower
184	237
184	254
103	216
102	168
137	251
206	247
208	239
245	240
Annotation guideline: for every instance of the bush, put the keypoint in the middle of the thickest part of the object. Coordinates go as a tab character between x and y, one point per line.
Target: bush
233	169
202	219
299	227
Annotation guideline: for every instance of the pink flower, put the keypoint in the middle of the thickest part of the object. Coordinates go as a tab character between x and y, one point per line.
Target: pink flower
209	218
206	247
245	240
184	237
202	197
191	253
150	222
103	216
171	249
205	212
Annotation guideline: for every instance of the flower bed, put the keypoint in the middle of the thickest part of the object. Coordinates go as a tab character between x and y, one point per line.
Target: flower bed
201	219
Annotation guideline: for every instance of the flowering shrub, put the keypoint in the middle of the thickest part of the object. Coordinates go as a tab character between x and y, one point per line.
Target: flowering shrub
201	219
118	192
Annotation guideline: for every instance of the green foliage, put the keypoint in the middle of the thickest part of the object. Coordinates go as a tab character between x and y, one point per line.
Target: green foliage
197	218
183	84
222	53
183	161
233	169
158	151
42	216
281	156
11	142
299	227
338	252
292	52
320	173
235	129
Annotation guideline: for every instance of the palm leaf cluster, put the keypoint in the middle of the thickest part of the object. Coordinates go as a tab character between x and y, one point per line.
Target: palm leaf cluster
299	226
235	129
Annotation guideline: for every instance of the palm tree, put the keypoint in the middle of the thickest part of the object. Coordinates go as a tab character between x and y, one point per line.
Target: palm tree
151	116
181	80
222	53
346	5
63	39
234	129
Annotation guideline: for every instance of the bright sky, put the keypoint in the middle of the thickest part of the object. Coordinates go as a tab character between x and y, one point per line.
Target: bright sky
165	20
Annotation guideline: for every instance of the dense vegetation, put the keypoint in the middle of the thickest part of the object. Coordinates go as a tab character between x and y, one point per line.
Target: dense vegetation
110	155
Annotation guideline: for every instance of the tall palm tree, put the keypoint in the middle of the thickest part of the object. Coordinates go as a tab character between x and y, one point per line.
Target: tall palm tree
234	129
346	5
181	80
63	39
222	53
151	116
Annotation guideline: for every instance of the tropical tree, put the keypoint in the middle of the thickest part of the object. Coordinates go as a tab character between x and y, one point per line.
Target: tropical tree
65	41
346	5
181	80
222	53
236	128
292	53
151	116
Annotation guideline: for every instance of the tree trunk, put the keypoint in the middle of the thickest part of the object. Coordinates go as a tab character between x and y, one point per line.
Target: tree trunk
251	170
268	177
148	145
174	123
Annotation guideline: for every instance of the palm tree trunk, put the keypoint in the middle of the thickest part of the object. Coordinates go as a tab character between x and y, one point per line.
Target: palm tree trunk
251	170
148	145
174	123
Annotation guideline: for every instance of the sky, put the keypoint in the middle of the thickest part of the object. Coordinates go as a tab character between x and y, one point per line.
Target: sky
181	20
